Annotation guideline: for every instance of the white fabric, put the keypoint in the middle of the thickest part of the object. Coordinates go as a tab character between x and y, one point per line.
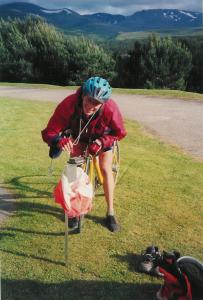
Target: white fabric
75	180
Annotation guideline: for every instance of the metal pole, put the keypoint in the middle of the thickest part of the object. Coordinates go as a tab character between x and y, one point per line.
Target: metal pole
71	173
66	239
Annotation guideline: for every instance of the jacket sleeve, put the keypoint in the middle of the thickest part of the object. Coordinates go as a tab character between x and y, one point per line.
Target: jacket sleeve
59	121
116	126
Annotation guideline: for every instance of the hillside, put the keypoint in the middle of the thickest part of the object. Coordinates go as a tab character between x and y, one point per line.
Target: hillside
108	25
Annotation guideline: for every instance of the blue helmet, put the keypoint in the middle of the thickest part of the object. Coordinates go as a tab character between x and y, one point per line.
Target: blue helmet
97	88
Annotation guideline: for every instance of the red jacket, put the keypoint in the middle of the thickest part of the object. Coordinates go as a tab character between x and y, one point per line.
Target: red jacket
107	125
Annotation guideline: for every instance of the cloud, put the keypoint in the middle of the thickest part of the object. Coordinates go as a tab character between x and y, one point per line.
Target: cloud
126	7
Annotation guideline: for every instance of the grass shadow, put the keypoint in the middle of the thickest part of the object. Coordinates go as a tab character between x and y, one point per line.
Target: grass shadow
32	256
77	289
25	208
132	259
24	187
13	229
96	219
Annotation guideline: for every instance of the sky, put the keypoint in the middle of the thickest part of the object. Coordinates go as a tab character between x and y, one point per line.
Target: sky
124	7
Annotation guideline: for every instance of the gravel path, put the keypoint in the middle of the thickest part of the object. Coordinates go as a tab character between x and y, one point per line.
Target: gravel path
175	121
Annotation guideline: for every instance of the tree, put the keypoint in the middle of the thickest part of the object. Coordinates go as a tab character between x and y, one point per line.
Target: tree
14	47
167	63
88	59
157	63
195	80
38	52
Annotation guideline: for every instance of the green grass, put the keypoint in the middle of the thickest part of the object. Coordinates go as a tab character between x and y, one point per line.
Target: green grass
148	92
143	35
100	34
137	35
161	93
33	85
158	200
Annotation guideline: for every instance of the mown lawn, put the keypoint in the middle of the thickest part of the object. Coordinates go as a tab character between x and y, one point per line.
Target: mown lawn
158	201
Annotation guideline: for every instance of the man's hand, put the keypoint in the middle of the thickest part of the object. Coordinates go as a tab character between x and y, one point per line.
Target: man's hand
65	144
95	147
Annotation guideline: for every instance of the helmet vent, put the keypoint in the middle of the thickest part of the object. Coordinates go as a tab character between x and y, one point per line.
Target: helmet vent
98	88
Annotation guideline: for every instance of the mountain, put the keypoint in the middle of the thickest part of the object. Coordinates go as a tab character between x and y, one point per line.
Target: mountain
103	23
164	18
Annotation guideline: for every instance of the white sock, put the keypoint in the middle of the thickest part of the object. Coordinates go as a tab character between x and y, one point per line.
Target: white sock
110	213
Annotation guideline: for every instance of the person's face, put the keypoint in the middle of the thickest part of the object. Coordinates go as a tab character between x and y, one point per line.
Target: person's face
90	105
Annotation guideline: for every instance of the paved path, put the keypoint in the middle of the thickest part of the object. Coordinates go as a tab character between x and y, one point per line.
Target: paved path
175	121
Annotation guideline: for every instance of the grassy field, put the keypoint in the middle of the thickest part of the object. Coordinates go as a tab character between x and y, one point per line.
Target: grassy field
32	85
158	201
161	93
143	35
102	35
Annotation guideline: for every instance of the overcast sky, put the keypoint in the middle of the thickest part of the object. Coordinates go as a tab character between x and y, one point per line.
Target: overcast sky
124	7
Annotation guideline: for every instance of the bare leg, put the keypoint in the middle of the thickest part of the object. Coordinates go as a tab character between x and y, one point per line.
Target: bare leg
105	161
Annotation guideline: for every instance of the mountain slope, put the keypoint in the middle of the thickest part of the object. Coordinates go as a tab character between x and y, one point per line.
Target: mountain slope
164	18
104	23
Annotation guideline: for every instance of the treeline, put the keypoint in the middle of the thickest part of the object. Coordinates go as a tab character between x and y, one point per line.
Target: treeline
162	63
33	51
